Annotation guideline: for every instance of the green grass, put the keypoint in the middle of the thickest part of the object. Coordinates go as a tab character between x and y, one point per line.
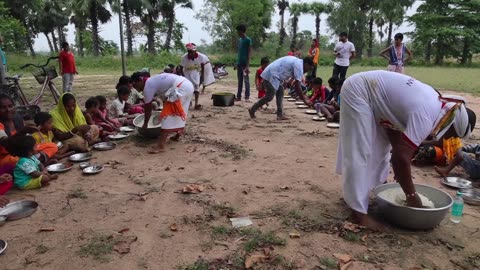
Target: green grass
77	193
258	239
328	262
99	247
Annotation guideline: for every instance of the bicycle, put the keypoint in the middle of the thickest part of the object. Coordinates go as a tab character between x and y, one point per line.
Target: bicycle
44	77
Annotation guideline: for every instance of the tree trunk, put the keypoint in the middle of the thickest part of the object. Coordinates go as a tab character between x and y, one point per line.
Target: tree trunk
390	30
465	51
317	27
61	36
128	28
171	24
294	32
54	39
282	28
151	35
94	23
428	52
49	42
80	42
28	39
370	38
439	51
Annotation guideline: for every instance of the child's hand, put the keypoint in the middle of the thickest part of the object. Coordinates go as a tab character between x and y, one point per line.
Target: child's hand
5	178
3	201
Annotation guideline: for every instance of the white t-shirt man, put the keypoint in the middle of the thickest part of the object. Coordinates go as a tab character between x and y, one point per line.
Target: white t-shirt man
160	84
345	49
192	68
283	69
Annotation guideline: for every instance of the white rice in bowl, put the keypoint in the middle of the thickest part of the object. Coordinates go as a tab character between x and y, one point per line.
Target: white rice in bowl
397	196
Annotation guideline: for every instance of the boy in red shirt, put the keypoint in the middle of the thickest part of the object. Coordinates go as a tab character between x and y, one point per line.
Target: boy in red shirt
67	67
320	92
259	80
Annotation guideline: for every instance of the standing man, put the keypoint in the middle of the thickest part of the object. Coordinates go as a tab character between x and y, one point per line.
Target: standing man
68	69
395	54
314	53
385	116
280	70
3	64
344	52
243	62
195	67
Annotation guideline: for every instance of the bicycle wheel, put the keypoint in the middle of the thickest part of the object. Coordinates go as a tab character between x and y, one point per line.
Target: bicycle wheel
13	92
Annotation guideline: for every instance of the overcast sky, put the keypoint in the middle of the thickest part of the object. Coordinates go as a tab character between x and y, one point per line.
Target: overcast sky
110	31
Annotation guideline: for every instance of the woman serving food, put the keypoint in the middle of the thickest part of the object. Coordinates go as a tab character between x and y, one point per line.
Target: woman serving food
385	111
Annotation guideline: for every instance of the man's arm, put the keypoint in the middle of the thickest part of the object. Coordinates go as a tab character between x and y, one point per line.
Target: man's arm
148	113
409	53
298	89
353	55
402	153
382	53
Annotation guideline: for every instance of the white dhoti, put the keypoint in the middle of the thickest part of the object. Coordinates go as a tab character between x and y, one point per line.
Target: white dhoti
363	149
208	76
183	91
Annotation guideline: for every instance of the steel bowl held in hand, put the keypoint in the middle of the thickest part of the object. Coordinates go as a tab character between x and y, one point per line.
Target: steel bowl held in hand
154	126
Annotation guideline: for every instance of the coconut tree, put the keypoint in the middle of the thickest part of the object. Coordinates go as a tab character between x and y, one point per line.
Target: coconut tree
282	6
167	10
317	9
296	10
97	14
129	9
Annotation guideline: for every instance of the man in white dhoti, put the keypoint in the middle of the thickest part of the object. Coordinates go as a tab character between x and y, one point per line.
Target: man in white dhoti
383	111
176	93
197	69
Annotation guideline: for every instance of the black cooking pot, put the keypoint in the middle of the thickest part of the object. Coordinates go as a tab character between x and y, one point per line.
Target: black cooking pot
223	99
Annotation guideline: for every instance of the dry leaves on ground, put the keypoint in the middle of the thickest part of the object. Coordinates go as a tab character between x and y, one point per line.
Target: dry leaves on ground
173	227
122	245
193	189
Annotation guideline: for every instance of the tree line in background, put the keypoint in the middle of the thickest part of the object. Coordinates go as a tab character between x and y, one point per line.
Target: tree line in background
443	29
23	20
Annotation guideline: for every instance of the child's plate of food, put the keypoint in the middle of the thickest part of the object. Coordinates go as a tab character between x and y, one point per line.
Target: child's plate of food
104	146
94	169
80	157
333	125
318	118
310	111
286	96
59	167
299	103
291	99
456	182
302	107
118	136
84	165
127	129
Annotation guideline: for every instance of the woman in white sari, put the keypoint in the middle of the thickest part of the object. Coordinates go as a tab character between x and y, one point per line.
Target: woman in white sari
176	93
385	111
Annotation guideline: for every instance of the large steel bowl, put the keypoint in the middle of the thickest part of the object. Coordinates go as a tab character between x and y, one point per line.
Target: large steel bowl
154	127
415	218
19	209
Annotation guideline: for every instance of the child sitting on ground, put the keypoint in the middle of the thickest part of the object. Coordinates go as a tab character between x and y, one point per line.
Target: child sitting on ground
29	173
94	117
44	122
466	161
320	92
103	111
117	108
259	80
134	103
331	110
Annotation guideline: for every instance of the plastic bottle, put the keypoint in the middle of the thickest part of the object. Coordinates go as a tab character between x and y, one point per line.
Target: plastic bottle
457	208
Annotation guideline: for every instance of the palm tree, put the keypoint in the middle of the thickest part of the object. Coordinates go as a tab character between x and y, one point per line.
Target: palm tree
394	12
149	18
317	8
282	6
80	21
167	10
97	13
296	10
129	8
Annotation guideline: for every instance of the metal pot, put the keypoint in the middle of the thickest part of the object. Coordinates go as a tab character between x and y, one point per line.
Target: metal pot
154	129
223	99
415	218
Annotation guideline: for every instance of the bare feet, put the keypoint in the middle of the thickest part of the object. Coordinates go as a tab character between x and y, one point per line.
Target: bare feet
156	151
175	138
369	222
282	118
252	113
442	172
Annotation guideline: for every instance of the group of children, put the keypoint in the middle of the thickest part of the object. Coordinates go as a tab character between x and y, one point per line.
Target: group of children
30	171
325	101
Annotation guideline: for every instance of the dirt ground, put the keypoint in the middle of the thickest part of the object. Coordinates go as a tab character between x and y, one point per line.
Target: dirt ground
280	174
